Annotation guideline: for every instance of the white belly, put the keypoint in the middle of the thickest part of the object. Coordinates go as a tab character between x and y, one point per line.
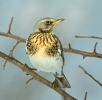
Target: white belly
47	64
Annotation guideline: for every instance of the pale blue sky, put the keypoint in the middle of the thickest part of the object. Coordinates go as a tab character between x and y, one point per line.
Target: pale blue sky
82	17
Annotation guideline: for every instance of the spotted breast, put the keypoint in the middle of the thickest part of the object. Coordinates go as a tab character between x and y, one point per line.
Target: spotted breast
45	52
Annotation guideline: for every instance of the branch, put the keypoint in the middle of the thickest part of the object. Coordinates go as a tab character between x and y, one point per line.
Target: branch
39	78
13	36
90	76
88	37
11	53
83	53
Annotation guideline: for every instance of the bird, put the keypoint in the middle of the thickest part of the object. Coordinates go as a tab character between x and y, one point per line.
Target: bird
45	50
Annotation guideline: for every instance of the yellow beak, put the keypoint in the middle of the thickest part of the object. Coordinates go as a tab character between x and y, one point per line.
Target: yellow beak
57	21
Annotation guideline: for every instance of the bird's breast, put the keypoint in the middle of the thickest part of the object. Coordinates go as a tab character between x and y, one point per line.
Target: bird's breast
41	45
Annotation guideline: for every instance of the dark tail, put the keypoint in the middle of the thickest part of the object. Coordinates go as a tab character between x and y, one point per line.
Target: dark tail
63	82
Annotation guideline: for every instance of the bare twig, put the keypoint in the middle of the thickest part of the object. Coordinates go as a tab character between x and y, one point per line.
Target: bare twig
9	28
90	76
11	53
85	96
39	78
29	80
83	53
88	37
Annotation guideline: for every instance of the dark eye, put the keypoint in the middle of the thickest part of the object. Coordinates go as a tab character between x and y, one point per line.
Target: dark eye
48	22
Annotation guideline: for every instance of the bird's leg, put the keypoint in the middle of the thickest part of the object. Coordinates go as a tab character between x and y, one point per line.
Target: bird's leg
55	82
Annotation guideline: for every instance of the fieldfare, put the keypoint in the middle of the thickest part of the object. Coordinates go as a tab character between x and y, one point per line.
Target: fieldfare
45	50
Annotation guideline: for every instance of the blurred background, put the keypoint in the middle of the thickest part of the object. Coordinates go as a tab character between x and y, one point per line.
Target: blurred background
82	17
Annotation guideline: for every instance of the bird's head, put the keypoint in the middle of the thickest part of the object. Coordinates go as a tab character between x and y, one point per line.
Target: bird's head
46	24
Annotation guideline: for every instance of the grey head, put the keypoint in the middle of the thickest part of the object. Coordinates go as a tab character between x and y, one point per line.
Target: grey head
46	24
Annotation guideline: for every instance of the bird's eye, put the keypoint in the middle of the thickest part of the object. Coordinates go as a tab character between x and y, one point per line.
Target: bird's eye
48	22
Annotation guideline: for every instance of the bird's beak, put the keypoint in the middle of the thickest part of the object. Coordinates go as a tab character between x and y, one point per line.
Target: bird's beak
57	21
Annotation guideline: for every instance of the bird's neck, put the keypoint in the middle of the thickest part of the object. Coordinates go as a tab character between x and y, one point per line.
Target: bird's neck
42	31
46	30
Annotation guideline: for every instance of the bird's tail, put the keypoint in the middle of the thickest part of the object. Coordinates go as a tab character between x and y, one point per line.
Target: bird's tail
63	82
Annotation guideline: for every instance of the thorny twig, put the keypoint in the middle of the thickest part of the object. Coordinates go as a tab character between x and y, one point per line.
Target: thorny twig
83	53
90	76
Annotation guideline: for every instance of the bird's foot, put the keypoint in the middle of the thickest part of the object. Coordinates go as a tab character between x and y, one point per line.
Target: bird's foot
55	84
